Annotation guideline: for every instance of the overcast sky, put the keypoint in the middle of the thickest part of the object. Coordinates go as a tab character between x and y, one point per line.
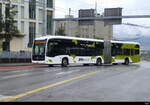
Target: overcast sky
130	7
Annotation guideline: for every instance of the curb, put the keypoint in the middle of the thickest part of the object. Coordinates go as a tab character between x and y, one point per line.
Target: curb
19	67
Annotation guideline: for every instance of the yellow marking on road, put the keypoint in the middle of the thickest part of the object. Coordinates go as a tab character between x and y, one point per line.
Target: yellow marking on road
46	87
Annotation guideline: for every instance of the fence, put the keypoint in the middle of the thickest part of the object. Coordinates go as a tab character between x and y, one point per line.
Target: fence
15	57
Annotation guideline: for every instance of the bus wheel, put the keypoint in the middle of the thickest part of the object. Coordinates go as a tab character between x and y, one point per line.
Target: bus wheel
98	62
50	65
115	63
85	64
126	61
64	62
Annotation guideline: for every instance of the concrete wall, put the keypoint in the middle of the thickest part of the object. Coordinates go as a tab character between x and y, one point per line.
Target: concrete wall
105	32
16	44
98	30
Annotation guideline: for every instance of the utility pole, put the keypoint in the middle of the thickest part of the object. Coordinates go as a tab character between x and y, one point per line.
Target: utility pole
94	20
96	9
69	12
69	29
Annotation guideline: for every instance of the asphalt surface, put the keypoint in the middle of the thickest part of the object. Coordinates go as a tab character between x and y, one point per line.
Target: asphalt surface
77	83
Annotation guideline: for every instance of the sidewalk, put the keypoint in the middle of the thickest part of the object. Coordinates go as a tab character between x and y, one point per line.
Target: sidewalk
19	66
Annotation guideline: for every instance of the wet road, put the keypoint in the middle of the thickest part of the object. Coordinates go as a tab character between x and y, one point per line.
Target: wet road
77	83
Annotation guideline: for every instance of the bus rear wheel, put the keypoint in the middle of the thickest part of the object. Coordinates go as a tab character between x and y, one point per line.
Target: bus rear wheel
64	62
98	62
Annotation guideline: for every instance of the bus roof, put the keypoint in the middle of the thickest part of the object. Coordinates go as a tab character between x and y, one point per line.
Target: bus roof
87	39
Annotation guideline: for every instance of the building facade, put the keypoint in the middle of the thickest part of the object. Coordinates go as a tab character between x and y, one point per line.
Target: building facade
34	19
84	28
73	28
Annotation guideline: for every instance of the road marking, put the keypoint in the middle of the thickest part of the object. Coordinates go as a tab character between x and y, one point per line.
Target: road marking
14	76
46	87
69	72
15	71
26	73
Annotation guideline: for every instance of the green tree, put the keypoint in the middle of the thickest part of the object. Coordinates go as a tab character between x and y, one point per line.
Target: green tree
7	26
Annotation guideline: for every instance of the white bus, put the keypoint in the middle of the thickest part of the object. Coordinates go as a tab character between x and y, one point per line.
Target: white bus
62	50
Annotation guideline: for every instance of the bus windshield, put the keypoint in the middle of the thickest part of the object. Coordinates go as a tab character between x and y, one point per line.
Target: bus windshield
39	50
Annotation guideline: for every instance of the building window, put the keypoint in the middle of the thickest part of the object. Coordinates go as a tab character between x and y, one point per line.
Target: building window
40	29
22	1
32	32
14	1
22	27
7	11
41	15
16	24
32	9
49	22
0	17
22	12
50	3
15	8
41	3
0	9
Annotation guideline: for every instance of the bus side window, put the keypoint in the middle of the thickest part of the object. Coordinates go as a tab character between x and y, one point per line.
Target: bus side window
126	52
132	52
113	51
137	52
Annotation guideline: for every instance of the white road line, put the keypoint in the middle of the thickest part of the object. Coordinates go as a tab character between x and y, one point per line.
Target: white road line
15	71
33	71
52	70
15	76
69	72
4	97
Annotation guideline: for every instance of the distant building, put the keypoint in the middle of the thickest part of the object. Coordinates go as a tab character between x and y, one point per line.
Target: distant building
83	28
34	19
113	12
84	13
69	16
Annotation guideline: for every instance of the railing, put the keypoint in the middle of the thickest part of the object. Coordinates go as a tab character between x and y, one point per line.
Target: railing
15	57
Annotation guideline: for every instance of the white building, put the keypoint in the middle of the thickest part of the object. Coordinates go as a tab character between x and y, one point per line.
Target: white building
34	19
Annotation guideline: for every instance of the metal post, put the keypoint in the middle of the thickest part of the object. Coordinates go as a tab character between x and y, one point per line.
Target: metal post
107	52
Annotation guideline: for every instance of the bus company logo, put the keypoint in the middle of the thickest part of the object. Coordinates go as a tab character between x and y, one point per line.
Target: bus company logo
81	59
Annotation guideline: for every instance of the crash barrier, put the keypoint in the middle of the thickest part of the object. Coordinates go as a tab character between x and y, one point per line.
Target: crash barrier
15	57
